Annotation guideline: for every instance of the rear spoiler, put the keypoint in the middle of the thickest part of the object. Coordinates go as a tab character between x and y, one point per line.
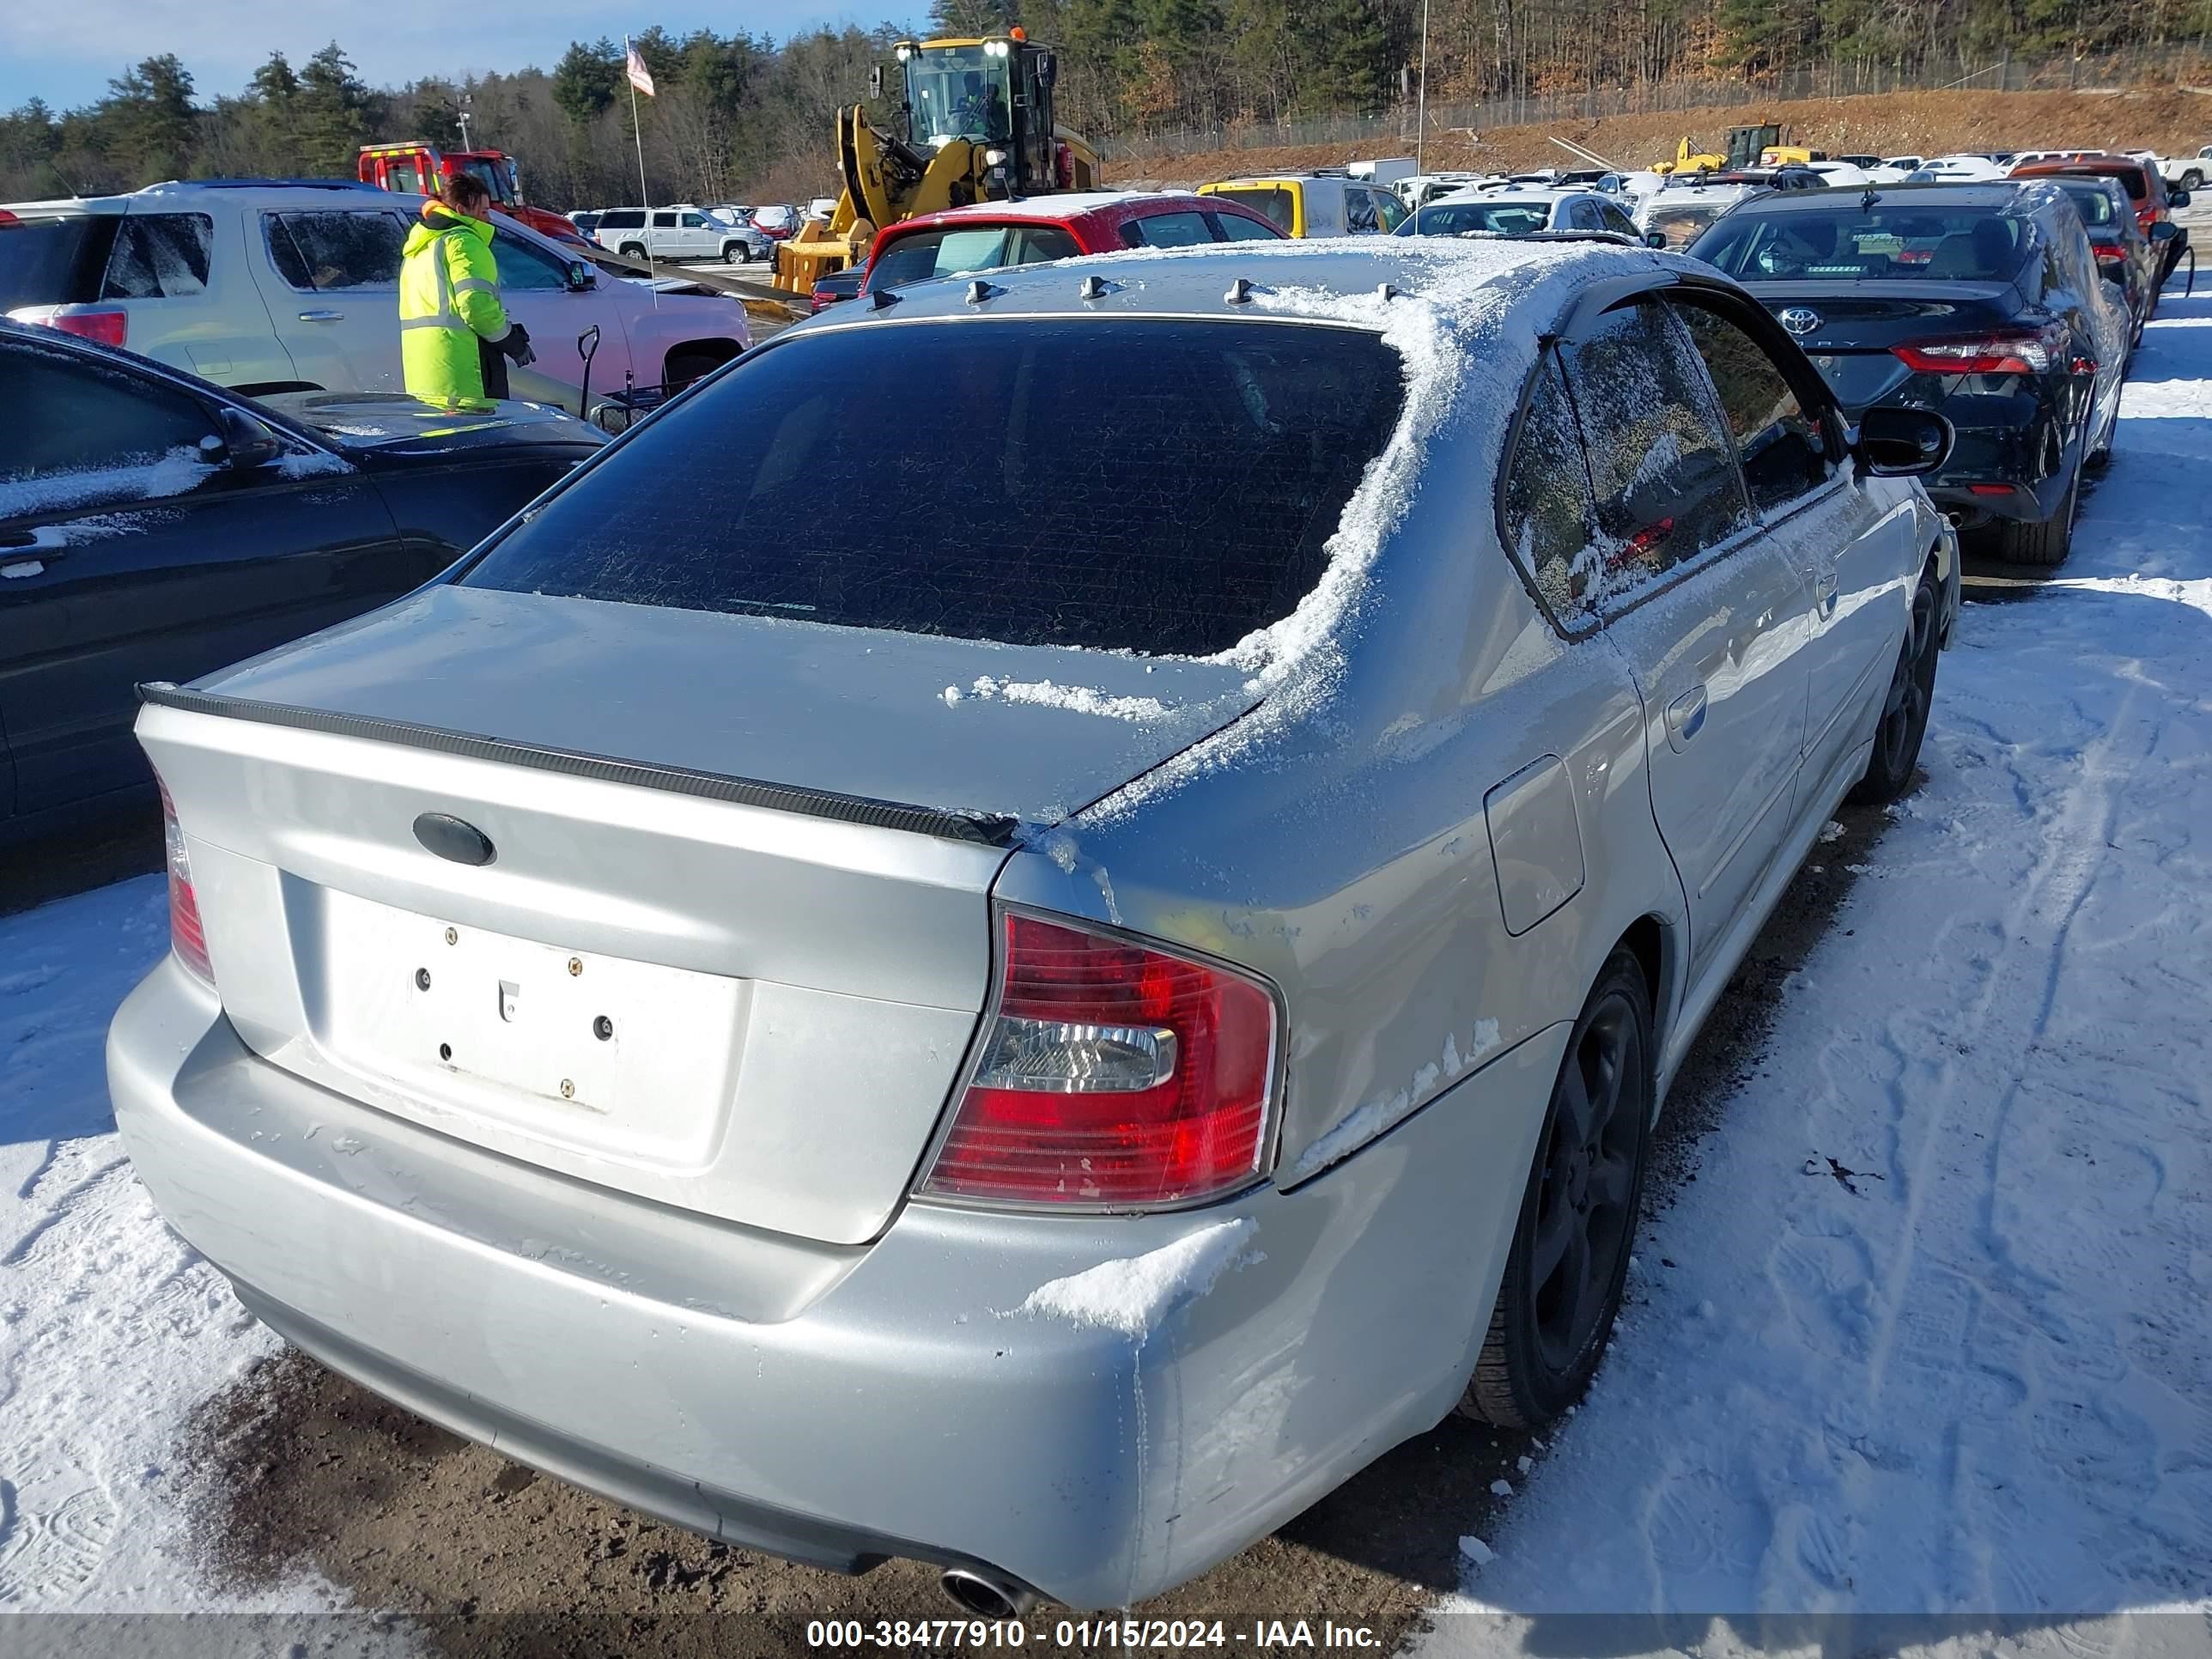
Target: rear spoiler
979	828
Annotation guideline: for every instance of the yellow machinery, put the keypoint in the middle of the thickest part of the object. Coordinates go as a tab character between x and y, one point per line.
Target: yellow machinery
976	126
1747	147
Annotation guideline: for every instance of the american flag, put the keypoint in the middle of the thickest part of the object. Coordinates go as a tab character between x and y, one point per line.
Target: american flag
640	76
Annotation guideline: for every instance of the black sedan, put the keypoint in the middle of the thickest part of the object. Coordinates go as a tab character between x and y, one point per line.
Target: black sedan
154	526
2133	263
1979	301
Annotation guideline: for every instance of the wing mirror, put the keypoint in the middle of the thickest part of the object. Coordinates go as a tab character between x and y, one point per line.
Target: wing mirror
1894	442
2179	199
1654	238
246	443
2165	230
580	277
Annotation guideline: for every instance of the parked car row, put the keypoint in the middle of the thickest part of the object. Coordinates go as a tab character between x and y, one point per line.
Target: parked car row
678	233
1040	981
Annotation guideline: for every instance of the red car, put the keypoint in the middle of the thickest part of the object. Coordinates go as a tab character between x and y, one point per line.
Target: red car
990	234
2146	190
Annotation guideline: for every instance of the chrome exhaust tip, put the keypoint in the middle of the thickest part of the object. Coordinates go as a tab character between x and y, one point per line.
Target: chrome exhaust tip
986	1595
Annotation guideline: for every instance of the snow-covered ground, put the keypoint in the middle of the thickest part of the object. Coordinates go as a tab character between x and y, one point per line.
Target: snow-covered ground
1966	1368
1930	1333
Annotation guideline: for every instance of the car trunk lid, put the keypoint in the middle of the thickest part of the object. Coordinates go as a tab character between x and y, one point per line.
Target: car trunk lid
724	937
1850	330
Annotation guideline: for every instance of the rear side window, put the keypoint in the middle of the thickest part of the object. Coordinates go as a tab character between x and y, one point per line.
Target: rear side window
663	222
1661	464
1216	461
1784	452
160	256
1545	509
1235	227
624	219
55	262
318	252
1167	230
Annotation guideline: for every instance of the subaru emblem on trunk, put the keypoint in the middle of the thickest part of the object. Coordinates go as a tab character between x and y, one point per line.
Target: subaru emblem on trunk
1800	320
453	838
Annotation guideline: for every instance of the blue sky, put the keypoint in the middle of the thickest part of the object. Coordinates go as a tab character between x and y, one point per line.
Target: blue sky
66	51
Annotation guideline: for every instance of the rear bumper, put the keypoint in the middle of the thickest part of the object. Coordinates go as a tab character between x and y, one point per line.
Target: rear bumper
2015	442
836	1405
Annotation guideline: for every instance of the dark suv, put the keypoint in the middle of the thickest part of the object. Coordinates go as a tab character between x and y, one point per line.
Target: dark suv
1980	301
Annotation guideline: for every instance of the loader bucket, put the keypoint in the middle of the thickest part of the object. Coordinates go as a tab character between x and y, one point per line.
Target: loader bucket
813	252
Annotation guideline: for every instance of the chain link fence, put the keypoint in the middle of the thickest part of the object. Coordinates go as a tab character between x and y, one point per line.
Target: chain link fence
2108	72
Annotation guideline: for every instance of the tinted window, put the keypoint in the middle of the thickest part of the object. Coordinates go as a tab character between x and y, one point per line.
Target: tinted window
160	256
1782	447
2092	199
1664	474
1545	509
693	222
663	222
1167	230
320	252
1616	221
1216	461
1896	238
622	219
1456	218
1235	227
1272	203
50	262
93	419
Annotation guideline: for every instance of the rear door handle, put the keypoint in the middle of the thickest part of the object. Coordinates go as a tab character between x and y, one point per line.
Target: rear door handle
1824	592
322	316
1686	717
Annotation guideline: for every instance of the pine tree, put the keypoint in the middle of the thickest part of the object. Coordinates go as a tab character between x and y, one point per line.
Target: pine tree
148	124
333	114
585	79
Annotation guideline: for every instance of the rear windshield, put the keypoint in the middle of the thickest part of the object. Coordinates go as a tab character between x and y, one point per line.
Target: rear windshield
1853	244
54	262
1123	483
1272	203
1456	218
941	252
2092	201
1684	225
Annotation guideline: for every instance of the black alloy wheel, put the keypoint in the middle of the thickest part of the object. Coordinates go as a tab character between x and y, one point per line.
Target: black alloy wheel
1563	1278
1897	739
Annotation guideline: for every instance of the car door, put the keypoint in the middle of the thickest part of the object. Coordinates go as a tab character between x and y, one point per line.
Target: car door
1853	549
533	285
1712	618
130	551
332	279
661	235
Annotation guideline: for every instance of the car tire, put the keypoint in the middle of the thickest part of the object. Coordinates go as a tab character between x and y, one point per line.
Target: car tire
733	254
2192	179
632	251
1903	722
2046	542
1548	1329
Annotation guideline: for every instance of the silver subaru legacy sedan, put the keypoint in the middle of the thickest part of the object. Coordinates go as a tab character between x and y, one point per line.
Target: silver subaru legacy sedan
1041	1020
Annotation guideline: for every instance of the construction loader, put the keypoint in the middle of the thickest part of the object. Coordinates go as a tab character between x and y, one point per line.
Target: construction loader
1747	147
974	125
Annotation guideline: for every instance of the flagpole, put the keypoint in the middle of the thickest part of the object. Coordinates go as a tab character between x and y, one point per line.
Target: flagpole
637	132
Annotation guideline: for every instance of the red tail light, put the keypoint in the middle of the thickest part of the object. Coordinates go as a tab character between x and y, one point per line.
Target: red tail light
109	328
2005	351
186	937
2108	254
1115	1076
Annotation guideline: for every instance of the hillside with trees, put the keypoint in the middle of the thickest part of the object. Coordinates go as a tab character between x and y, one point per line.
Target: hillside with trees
739	116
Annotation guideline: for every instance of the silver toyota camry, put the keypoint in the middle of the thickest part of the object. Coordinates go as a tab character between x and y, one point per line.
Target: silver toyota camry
1122	966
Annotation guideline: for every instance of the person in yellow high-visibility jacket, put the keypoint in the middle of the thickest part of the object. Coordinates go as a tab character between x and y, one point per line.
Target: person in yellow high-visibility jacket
453	325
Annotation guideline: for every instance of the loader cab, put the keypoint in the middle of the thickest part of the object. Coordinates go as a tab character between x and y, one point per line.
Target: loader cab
994	94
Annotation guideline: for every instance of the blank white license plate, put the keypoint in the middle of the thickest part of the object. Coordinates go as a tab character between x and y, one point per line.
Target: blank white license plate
645	1053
